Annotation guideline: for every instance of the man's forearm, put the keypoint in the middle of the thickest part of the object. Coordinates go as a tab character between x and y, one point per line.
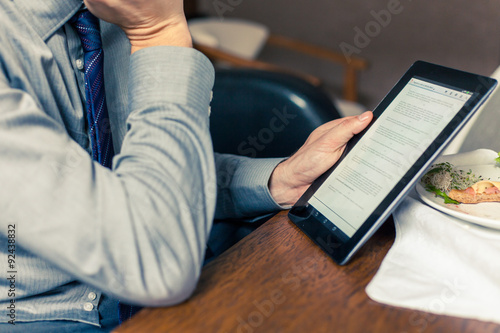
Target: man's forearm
139	231
242	185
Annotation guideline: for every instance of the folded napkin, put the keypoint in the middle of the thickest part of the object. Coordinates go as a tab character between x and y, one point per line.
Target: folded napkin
441	264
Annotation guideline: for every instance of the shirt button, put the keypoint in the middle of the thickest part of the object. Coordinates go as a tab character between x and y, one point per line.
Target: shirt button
79	64
92	296
88	306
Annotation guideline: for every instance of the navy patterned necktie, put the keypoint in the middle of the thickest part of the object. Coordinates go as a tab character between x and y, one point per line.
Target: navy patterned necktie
87	27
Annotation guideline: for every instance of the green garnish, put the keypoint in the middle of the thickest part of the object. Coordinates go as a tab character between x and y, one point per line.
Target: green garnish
444	177
498	158
447	199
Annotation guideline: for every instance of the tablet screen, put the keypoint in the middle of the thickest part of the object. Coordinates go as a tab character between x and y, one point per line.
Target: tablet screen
385	153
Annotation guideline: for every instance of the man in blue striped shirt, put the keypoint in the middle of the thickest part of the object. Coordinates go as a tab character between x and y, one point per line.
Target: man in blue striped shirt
86	235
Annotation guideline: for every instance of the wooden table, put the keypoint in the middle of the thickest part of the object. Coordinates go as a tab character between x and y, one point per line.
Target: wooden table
277	280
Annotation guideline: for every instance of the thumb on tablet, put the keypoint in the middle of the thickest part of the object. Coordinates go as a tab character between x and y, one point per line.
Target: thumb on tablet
350	126
321	150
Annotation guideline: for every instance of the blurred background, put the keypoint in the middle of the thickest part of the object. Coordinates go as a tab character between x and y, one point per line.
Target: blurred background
462	34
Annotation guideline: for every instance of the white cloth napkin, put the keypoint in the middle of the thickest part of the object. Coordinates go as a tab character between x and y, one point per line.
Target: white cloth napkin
440	264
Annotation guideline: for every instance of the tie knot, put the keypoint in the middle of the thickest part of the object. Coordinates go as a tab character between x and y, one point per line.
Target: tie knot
87	27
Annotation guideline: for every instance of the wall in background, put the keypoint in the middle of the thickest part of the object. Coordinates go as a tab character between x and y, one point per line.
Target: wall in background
463	34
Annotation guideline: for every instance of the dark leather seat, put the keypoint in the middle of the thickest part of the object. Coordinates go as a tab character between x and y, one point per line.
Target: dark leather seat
265	114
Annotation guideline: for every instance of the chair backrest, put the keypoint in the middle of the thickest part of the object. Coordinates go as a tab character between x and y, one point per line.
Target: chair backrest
265	114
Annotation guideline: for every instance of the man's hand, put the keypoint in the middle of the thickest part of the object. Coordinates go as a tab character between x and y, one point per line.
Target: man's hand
146	22
322	149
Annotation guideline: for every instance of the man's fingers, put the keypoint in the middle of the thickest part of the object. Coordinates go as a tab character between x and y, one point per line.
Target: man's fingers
321	150
363	120
365	116
345	130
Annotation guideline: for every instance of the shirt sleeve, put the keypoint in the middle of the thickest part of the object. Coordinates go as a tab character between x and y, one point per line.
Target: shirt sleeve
242	185
137	231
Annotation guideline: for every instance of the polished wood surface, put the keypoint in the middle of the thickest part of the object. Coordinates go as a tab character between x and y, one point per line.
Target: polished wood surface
277	280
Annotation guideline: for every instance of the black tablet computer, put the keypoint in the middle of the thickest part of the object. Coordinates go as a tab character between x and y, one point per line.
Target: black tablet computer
411	126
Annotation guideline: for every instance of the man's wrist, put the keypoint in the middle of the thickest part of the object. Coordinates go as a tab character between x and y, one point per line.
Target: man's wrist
170	35
282	191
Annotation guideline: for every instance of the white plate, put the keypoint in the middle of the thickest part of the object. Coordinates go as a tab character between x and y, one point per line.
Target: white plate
486	214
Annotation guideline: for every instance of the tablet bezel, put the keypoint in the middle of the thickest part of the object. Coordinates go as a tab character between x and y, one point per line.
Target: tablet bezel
310	221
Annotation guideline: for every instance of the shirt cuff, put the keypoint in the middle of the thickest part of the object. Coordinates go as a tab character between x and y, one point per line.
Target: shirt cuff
251	186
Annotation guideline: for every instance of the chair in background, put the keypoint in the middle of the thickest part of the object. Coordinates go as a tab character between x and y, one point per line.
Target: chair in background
238	42
265	114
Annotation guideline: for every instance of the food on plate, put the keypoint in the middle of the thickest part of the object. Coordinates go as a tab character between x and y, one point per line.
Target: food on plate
442	178
482	191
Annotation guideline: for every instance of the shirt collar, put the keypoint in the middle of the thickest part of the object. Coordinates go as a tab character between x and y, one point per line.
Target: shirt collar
47	16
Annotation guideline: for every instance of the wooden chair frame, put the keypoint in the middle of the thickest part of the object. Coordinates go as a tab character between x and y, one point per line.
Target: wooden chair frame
351	65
